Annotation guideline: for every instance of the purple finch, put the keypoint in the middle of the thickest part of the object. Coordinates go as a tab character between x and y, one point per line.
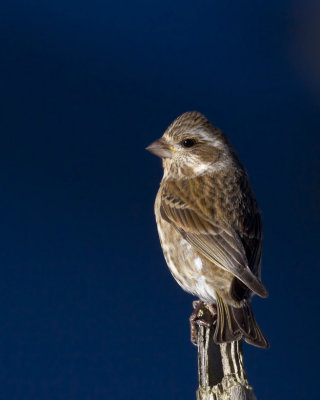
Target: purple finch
209	224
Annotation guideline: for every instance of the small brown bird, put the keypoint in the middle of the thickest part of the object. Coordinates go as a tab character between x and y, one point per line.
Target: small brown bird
209	224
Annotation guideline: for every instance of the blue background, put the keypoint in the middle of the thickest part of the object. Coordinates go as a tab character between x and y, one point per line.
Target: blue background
88	307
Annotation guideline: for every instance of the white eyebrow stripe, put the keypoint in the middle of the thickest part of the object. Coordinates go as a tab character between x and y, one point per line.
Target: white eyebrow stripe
209	139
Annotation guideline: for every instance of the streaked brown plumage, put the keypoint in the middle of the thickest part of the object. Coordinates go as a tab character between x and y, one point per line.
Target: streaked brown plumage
209	224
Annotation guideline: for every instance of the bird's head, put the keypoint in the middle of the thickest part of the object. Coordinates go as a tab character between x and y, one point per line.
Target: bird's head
190	147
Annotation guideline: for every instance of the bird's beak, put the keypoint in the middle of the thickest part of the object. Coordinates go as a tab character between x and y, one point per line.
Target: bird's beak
160	148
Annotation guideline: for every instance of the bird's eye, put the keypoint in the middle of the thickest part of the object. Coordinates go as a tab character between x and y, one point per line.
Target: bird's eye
188	142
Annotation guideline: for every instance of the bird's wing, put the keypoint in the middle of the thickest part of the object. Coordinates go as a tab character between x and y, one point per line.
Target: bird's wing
252	243
219	244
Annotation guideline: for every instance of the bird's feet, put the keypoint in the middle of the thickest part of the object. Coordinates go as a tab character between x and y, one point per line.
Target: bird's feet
204	314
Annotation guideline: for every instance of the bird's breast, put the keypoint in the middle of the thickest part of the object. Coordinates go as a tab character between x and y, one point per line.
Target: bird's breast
187	266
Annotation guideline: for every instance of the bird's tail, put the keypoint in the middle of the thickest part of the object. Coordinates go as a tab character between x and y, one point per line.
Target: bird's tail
234	323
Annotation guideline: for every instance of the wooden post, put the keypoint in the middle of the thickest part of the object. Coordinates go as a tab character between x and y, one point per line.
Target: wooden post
221	370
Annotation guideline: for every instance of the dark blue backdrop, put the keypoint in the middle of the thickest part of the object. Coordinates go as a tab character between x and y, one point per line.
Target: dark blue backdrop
88	308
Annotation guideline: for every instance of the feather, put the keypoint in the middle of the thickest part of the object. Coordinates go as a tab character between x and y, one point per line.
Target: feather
219	243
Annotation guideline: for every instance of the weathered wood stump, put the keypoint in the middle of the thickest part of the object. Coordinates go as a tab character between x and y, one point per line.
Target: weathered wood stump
221	369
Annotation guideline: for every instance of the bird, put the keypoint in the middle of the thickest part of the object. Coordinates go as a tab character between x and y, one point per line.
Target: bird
210	225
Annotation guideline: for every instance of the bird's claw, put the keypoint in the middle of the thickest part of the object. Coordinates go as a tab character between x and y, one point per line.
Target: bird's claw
204	314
